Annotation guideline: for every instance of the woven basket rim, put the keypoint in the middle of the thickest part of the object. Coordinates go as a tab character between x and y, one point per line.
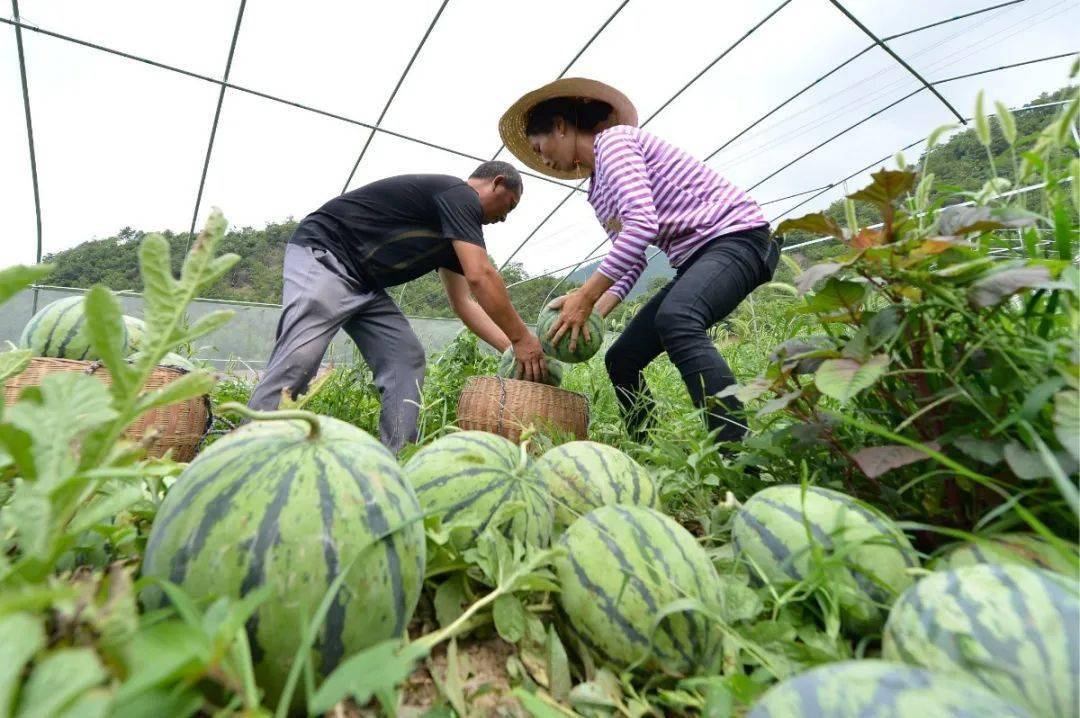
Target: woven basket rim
89	366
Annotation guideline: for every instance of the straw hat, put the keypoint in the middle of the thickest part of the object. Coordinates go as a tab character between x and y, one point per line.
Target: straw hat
512	123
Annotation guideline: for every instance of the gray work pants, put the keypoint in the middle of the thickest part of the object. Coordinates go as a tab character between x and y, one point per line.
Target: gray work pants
318	299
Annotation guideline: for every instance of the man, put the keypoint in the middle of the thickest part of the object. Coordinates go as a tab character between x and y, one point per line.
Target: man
343	257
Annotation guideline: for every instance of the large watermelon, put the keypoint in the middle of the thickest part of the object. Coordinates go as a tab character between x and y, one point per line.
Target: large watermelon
1015	629
466	477
880	689
509	368
776	537
136	329
585	349
57	330
583	475
623	565
269	505
1026	549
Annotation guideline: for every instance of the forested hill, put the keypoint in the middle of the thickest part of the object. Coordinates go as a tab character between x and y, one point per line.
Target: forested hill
113	261
961	161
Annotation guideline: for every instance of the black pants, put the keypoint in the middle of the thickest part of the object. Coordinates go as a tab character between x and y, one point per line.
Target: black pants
706	288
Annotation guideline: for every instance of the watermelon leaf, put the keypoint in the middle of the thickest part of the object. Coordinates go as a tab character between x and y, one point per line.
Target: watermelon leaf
450	600
14	362
376	670
59	680
538	707
509	617
107	334
558	667
69	404
21	636
15	279
189	386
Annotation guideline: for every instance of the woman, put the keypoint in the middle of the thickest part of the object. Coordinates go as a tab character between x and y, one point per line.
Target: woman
646	191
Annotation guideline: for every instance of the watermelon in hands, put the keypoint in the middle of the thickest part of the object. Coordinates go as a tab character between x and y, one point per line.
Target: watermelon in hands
510	368
585	349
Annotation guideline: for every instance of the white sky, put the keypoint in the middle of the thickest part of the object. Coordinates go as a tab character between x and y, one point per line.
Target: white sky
120	143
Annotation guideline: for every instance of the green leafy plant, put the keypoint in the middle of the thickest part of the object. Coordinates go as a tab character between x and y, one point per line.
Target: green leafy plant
941	376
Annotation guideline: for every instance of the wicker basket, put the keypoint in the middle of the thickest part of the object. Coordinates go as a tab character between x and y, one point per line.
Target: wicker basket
179	427
507	406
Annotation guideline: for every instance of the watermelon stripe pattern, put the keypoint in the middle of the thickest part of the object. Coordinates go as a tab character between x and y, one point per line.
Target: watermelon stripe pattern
623	565
57	331
857	689
584	475
775	533
1014	629
268	506
467	477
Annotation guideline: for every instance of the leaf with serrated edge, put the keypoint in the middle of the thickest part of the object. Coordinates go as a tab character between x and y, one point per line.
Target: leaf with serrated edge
206	324
888	185
816	223
105	329
71	405
842	379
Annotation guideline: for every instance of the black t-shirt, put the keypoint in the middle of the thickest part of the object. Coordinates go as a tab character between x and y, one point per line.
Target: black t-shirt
397	229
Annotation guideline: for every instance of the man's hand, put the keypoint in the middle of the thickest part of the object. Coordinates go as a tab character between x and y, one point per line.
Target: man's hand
531	358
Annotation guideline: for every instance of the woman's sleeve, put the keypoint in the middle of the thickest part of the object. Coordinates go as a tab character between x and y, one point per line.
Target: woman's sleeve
627	178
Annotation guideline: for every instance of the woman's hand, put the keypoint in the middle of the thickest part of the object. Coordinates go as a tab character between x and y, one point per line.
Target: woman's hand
573	318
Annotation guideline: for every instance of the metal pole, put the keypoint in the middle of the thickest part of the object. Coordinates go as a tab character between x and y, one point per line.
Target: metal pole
264	95
393	94
578	55
217	118
29	132
892	53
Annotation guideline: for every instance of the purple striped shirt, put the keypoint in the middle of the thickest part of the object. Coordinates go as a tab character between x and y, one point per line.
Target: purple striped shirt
646	191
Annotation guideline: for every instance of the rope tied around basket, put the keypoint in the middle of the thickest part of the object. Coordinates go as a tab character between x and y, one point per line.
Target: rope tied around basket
502	403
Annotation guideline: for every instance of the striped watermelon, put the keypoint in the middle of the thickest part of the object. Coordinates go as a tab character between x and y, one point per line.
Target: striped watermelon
57	331
1015	629
771	534
623	565
583	475
465	478
585	349
869	688
509	368
268	505
136	329
1026	549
